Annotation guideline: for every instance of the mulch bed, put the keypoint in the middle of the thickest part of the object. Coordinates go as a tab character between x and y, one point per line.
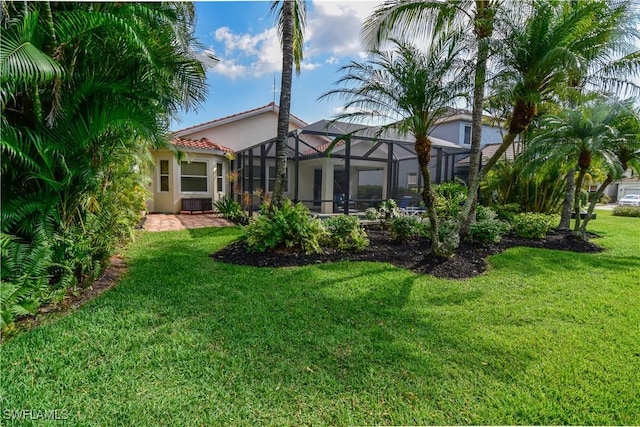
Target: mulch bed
468	261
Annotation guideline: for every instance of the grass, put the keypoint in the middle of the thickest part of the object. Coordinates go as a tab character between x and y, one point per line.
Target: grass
545	337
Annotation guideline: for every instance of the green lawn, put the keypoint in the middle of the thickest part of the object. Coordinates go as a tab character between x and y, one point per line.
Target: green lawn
544	337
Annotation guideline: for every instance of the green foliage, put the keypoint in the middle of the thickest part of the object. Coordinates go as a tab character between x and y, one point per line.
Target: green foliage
489	230
449	233
484	213
533	225
372	214
630	211
232	210
407	227
449	198
507	212
345	232
369	192
289	227
387	211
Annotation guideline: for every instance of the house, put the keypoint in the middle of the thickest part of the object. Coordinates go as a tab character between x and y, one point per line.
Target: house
328	162
625	186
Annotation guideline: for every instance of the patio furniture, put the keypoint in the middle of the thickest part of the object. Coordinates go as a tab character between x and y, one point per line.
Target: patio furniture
406	208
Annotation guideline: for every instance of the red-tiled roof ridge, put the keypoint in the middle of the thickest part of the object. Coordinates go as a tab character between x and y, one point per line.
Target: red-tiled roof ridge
272	105
202	143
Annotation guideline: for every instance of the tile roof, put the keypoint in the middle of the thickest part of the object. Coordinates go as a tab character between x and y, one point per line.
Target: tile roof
202	143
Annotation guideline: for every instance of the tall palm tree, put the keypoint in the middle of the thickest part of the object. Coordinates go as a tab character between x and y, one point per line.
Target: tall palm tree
540	49
420	18
291	16
410	90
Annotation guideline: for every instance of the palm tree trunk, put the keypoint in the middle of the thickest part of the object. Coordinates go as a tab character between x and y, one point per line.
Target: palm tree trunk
423	150
565	218
576	198
484	30
592	205
285	102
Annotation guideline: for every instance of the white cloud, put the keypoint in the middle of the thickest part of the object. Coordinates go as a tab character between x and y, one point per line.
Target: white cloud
333	28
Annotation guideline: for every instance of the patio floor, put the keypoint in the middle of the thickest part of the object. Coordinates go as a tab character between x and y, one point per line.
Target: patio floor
169	222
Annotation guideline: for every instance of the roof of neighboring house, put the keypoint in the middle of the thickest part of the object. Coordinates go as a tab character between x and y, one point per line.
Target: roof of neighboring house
238	116
202	144
630	179
490	149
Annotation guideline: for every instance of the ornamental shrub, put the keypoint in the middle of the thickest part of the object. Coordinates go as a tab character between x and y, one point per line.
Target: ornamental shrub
507	212
406	227
533	225
345	232
632	211
484	213
231	210
289	227
488	230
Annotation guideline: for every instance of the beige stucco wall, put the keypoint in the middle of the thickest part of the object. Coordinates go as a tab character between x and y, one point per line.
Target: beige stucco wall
171	201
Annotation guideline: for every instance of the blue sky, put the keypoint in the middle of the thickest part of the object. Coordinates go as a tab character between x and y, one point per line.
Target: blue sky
242	35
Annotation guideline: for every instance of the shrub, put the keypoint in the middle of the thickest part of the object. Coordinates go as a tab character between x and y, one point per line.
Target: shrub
484	213
290	227
507	212
449	199
488	230
632	211
231	210
533	225
406	227
345	232
449	236
372	214
388	210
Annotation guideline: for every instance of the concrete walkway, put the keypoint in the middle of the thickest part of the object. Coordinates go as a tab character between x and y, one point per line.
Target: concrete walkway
170	222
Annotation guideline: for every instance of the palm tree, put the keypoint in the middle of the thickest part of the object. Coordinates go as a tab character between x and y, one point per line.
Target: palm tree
621	153
426	17
540	49
410	89
579	137
291	16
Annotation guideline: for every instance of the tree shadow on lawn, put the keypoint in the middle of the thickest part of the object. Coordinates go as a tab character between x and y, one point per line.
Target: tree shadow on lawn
338	330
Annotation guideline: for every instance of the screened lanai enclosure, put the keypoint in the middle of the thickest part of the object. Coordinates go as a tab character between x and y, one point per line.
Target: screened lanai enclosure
363	168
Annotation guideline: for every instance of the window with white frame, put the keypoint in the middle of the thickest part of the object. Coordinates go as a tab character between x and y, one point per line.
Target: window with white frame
467	135
193	177
164	175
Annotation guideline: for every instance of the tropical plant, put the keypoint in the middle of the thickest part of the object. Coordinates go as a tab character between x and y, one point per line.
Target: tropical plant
410	90
231	210
531	225
291	16
345	232
87	90
423	18
288	227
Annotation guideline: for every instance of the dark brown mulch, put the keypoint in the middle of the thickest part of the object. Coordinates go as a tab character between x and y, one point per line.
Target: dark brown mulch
468	261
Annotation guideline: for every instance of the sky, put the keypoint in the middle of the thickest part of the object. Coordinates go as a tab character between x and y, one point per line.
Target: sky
242	34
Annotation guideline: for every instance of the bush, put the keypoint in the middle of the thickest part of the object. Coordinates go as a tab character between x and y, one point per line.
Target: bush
406	227
345	232
231	210
372	214
632	211
484	213
533	225
507	212
290	227
449	199
488	230
449	236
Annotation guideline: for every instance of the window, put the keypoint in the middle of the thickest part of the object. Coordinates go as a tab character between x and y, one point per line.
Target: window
272	179
219	183
467	135
412	180
164	175
193	177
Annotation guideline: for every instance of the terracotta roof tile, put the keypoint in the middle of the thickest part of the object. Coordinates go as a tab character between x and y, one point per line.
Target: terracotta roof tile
202	143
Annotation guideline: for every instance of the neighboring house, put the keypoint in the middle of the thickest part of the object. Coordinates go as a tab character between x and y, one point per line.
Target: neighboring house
623	187
236	154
